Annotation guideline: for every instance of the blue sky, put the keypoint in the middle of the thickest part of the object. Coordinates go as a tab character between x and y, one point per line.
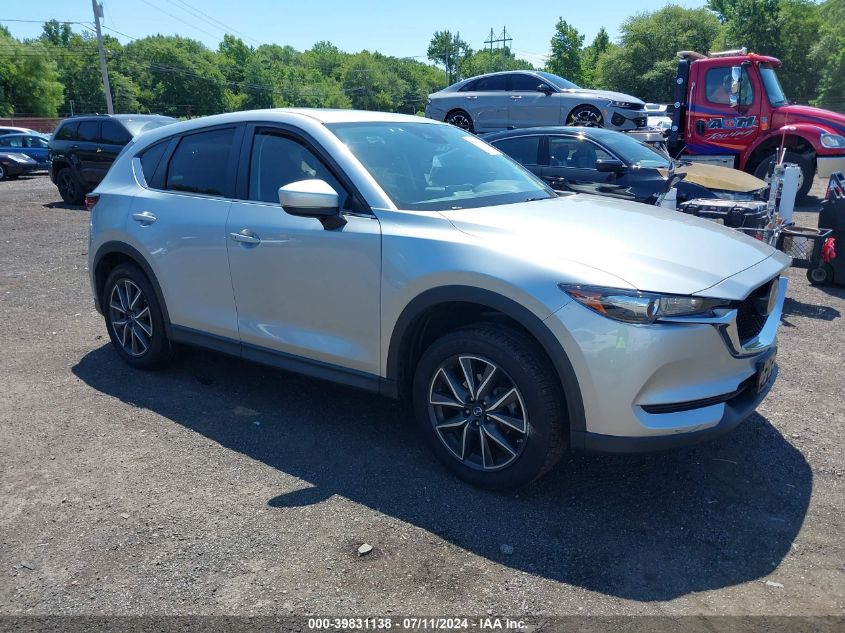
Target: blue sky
391	27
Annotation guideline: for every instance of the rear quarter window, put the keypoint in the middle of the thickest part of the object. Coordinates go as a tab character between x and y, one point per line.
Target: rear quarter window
67	132
151	158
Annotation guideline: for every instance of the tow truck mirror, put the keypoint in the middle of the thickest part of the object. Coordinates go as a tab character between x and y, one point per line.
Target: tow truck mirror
736	76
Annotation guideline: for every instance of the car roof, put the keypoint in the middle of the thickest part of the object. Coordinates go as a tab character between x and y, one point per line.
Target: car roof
593	132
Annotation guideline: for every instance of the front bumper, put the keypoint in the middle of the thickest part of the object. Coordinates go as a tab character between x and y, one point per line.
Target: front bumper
19	169
827	165
647	387
623	119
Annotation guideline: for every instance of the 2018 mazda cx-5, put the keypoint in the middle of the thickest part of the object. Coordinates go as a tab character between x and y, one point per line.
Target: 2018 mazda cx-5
410	258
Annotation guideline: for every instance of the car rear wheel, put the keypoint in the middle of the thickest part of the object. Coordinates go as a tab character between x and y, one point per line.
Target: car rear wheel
460	119
585	115
69	187
805	179
3	175
134	318
489	404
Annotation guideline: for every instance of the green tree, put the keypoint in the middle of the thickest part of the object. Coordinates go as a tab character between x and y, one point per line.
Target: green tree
829	55
644	63
751	23
447	50
565	59
590	56
29	79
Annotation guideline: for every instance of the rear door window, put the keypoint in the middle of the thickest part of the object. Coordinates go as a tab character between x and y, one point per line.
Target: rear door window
200	163
89	131
490	84
523	149
525	83
11	141
114	134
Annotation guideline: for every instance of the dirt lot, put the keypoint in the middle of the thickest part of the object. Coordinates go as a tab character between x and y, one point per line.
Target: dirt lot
216	486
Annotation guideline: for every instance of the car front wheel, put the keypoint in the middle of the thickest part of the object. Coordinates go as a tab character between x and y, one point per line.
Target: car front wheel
134	318
489	404
460	119
69	188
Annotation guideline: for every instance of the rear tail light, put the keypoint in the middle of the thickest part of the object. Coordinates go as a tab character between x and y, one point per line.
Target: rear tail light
90	200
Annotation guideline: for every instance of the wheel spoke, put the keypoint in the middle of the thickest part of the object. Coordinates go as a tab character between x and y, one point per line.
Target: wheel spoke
494	434
486	455
438	399
123	334
466	367
486	381
121	296
454	386
115	306
135	298
142	340
517	424
452	423
144	321
503	399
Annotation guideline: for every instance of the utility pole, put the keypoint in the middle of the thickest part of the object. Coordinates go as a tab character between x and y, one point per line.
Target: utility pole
458	56
502	39
98	13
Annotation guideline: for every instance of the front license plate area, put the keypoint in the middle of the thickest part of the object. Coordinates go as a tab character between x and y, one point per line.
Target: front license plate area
764	373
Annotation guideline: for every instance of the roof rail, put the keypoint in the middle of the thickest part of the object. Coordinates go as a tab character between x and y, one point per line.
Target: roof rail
691	55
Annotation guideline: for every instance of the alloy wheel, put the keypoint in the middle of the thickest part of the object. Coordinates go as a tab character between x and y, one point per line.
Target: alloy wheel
130	317
587	117
478	412
67	186
461	120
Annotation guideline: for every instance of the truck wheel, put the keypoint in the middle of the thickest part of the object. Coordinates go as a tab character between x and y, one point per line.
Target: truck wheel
821	276
490	407
805	180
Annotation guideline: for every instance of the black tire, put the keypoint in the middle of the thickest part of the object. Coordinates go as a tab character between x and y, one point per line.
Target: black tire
585	115
461	119
821	276
3	174
763	171
141	328
15	177
538	404
70	189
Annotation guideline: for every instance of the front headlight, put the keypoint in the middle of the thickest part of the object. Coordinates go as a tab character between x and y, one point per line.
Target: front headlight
632	306
833	141
622	104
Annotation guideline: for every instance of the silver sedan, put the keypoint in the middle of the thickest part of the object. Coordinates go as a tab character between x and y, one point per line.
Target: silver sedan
516	99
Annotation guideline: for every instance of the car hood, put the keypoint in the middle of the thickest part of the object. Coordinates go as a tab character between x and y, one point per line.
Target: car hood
649	248
605	94
784	115
719	178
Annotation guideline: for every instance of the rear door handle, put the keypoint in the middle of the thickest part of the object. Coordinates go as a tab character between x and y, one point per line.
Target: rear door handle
144	217
245	236
472	97
515	97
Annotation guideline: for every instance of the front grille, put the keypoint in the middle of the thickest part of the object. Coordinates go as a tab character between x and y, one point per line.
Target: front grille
641	121
750	316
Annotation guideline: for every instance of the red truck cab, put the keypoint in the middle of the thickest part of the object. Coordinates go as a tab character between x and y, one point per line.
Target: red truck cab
729	109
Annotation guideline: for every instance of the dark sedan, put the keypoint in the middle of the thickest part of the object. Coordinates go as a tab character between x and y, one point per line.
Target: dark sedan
35	146
608	163
13	165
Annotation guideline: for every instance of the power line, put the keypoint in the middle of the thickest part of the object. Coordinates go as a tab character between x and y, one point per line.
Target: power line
181	21
198	13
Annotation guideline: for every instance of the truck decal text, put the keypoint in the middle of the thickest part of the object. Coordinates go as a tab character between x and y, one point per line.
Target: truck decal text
731	123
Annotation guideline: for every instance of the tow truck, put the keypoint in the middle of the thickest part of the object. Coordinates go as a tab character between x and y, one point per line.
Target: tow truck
729	109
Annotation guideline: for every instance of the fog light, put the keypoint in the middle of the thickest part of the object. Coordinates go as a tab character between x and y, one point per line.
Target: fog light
617	119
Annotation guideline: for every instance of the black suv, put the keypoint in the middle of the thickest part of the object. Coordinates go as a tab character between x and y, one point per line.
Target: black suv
83	148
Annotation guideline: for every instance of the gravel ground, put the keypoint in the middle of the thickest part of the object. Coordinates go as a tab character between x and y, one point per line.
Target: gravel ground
216	486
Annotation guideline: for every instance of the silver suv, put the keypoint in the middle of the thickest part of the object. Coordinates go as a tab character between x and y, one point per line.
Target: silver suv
527	98
409	258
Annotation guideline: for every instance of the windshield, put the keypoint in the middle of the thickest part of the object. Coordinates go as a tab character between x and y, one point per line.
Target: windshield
772	85
136	126
634	152
424	167
560	82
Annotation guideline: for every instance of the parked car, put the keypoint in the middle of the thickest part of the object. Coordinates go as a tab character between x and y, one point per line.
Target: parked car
13	165
83	148
36	146
608	163
410	258
5	129
524	98
658	116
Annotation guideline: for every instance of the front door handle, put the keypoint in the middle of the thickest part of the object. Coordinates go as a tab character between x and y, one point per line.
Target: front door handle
144	217
245	236
472	97
515	97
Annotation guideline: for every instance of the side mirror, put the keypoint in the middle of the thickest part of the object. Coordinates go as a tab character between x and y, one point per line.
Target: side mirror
312	199
736	87
545	89
611	166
